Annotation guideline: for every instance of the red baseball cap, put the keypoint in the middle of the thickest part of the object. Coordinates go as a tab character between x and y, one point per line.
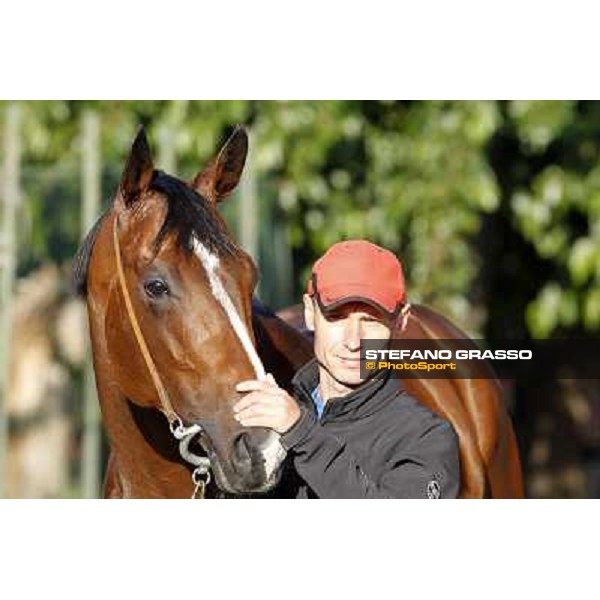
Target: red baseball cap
358	271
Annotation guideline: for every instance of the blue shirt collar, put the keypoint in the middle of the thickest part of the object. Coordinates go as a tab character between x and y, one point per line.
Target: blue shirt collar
318	401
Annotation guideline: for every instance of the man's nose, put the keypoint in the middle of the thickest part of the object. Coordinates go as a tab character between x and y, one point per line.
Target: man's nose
352	334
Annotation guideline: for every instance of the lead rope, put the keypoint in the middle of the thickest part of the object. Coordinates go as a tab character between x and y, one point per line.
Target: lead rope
201	474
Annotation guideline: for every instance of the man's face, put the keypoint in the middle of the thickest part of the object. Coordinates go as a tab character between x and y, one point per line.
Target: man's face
338	335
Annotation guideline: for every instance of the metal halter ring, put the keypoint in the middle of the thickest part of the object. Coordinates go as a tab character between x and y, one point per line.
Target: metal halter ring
199	482
199	473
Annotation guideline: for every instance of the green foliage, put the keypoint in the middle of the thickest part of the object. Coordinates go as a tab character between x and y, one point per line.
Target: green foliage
539	122
413	176
558	212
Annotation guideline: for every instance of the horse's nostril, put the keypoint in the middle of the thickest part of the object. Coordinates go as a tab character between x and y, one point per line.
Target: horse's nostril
249	453
261	438
241	449
255	458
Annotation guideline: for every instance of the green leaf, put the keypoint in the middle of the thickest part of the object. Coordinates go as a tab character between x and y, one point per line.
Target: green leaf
583	260
543	314
591	309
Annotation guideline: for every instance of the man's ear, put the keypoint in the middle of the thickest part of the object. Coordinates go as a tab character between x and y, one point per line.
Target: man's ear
137	173
222	175
309	312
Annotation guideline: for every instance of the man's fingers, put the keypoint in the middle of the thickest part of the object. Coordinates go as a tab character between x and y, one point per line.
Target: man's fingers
253	412
259	396
258	400
267	415
257	421
255	385
265	404
247	401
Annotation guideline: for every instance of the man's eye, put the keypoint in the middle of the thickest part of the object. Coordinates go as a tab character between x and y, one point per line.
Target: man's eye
336	317
156	288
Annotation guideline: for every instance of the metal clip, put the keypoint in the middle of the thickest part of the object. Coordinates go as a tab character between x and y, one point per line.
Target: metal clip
179	431
199	482
176	427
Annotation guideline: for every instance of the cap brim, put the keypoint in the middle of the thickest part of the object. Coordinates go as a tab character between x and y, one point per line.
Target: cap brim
334	304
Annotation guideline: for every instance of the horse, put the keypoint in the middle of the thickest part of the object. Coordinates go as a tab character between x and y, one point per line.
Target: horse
174	328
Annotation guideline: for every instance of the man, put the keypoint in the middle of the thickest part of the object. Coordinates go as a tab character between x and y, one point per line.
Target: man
349	437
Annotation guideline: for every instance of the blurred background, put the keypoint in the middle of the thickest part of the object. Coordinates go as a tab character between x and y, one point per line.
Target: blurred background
493	207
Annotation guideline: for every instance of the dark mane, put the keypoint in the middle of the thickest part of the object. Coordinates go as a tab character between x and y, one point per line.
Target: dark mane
188	213
81	262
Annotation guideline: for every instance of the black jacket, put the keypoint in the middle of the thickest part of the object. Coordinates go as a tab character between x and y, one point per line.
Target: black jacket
376	442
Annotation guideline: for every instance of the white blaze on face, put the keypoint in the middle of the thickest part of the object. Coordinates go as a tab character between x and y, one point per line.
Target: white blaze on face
274	453
211	264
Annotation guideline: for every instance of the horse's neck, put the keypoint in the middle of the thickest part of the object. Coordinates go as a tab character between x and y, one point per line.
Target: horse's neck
145	460
282	348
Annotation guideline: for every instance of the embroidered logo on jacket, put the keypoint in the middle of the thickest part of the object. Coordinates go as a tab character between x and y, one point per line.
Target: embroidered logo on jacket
434	491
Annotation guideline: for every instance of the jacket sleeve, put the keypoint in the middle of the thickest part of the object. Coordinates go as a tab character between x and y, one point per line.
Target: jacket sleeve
425	467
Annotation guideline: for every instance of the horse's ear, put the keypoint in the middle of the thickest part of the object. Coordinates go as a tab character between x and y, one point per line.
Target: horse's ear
137	174
222	175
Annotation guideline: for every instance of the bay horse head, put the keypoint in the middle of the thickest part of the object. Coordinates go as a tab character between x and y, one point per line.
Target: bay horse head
169	297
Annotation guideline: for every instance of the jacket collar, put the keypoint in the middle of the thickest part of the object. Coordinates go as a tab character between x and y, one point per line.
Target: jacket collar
366	399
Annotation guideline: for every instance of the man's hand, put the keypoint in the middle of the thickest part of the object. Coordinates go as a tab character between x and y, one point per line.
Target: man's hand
266	405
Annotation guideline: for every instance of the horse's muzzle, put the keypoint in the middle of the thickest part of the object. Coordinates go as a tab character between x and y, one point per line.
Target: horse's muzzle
256	457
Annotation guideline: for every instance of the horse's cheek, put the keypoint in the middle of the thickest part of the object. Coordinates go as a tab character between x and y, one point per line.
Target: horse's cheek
126	360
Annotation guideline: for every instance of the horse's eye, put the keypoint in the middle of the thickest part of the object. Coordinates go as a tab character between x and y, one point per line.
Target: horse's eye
155	288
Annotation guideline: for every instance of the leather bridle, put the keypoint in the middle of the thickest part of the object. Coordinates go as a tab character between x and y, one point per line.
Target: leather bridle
201	473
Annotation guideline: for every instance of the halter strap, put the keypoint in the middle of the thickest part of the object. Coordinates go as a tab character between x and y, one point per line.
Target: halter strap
167	407
404	313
